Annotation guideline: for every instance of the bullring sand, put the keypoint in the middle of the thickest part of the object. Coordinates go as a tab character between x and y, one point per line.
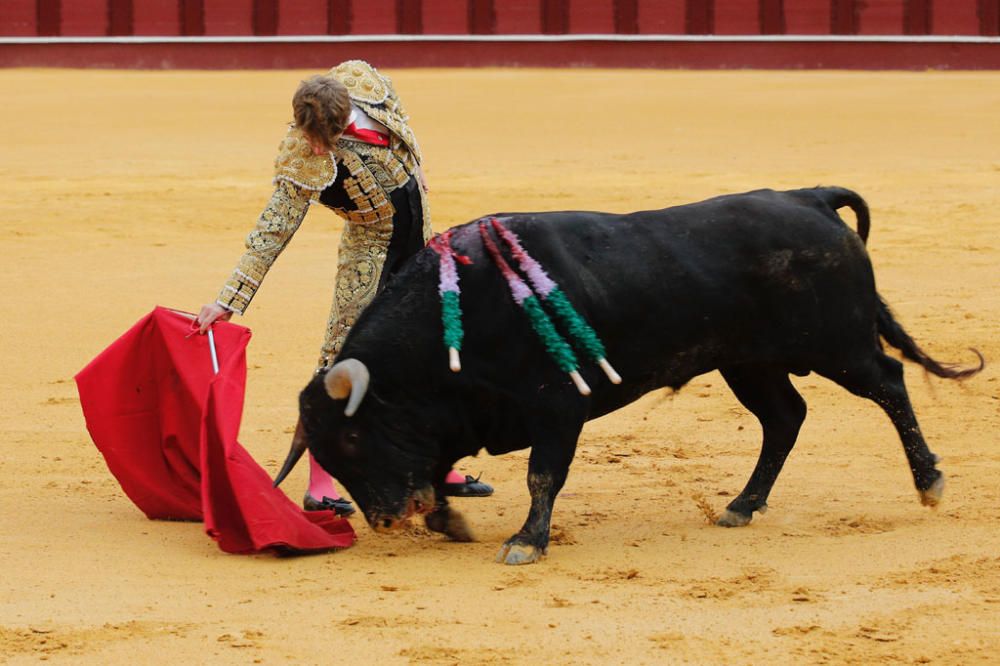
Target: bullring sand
123	190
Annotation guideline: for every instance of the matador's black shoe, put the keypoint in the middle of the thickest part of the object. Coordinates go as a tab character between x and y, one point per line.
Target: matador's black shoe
340	506
472	487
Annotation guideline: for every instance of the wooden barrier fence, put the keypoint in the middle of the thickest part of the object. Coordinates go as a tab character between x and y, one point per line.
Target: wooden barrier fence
92	18
727	33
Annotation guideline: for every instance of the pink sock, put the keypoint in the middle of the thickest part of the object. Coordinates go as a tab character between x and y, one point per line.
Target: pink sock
320	483
454	477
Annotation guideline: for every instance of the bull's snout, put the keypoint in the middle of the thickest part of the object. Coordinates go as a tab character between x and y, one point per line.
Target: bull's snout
422	502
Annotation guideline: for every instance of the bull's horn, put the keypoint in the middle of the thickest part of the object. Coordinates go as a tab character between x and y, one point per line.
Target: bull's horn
294	453
347	379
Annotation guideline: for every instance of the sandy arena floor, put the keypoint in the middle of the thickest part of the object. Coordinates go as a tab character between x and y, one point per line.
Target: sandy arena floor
123	190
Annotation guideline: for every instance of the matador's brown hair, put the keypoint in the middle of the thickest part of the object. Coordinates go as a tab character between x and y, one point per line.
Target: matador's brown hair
322	107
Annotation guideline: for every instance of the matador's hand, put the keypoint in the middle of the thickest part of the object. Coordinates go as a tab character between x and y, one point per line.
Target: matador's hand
210	313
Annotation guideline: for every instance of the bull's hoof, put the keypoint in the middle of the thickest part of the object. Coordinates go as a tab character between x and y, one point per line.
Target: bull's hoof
932	496
519	553
458	529
733	519
451	524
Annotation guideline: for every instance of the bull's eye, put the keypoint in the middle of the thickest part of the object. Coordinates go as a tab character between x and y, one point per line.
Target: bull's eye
351	443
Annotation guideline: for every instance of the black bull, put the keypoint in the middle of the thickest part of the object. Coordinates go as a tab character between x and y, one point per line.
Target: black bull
758	286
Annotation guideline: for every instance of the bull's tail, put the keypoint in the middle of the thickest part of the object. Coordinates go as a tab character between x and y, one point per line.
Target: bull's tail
893	333
838	197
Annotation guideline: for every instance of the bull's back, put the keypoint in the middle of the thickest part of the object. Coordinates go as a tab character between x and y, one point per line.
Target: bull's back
758	277
740	278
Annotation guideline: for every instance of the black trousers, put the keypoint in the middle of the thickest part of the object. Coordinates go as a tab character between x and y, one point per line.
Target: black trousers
407	229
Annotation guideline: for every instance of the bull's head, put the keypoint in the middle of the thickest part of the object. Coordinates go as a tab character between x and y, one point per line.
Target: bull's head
385	466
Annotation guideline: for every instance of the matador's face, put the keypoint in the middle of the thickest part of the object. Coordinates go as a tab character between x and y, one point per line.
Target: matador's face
321	146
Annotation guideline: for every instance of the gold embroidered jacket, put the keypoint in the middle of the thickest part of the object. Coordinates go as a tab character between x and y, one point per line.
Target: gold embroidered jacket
356	179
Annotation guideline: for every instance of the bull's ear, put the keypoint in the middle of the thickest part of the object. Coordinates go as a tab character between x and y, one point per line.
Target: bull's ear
347	379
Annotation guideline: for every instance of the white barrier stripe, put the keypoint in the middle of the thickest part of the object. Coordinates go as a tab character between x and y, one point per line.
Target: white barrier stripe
313	39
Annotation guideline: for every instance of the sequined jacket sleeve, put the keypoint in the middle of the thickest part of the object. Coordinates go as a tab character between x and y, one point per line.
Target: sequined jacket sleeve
275	227
395	105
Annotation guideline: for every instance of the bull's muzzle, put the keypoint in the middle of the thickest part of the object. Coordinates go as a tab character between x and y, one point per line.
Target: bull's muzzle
420	502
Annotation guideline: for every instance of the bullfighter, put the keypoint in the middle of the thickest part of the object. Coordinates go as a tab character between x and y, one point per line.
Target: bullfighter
351	149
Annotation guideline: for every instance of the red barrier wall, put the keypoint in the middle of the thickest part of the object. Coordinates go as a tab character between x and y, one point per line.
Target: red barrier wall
591	16
807	17
504	17
518	17
445	17
661	17
19	18
228	17
87	18
736	17
880	17
156	17
955	17
302	17
322	18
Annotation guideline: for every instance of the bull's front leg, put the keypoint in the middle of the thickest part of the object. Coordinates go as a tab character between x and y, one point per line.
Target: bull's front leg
448	521
548	467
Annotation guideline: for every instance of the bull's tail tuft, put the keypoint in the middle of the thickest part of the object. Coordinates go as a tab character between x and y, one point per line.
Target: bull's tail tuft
893	333
838	197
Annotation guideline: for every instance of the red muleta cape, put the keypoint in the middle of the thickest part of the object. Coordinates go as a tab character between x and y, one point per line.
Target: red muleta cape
167	427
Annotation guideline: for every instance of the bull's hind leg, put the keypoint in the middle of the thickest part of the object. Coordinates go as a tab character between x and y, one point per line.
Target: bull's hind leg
881	381
770	396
